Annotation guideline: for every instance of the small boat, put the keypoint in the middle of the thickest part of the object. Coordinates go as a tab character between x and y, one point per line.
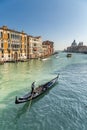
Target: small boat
45	59
37	91
69	55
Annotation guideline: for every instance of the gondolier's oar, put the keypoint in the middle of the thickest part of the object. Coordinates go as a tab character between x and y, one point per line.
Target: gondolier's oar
31	93
30	103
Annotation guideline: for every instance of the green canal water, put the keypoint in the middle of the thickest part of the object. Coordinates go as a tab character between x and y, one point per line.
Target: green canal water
64	107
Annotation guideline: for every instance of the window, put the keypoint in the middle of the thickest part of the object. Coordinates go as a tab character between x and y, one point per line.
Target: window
8	36
9	51
25	46
34	44
8	45
1	34
25	39
1	45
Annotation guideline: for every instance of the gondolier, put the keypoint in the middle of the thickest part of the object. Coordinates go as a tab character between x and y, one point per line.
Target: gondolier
32	87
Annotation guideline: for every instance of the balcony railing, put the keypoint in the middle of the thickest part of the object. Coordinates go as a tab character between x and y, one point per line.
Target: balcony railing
15	49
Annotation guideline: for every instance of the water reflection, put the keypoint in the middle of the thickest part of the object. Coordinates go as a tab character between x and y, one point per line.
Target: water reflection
22	110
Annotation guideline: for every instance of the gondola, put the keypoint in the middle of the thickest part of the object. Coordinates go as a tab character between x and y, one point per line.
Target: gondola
37	91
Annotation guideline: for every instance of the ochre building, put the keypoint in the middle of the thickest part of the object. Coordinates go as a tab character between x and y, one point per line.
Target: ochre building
13	44
16	46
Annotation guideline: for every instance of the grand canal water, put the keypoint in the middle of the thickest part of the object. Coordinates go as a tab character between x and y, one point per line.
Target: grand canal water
64	107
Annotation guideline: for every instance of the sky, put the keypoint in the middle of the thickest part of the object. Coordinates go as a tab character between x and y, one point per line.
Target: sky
60	21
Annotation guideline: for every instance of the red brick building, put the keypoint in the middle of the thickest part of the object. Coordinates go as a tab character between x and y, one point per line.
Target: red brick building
48	48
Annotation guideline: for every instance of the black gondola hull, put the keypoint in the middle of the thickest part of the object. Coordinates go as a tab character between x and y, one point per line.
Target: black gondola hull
36	94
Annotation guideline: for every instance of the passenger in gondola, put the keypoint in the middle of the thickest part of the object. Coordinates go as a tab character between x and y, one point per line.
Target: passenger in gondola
32	87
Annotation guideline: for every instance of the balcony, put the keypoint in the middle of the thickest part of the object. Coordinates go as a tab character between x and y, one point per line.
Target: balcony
15	49
16	43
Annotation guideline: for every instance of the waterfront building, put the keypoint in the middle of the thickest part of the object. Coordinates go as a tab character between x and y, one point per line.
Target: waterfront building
80	44
80	48
34	47
74	43
13	44
16	46
48	48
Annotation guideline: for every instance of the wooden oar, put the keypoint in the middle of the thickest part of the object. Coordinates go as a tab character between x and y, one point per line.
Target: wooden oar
30	102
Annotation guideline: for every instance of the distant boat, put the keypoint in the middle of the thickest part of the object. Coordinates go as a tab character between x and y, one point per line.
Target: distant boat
85	52
45	59
69	55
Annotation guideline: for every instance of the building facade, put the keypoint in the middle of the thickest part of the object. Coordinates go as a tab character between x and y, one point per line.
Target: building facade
48	48
13	44
34	45
16	46
77	48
